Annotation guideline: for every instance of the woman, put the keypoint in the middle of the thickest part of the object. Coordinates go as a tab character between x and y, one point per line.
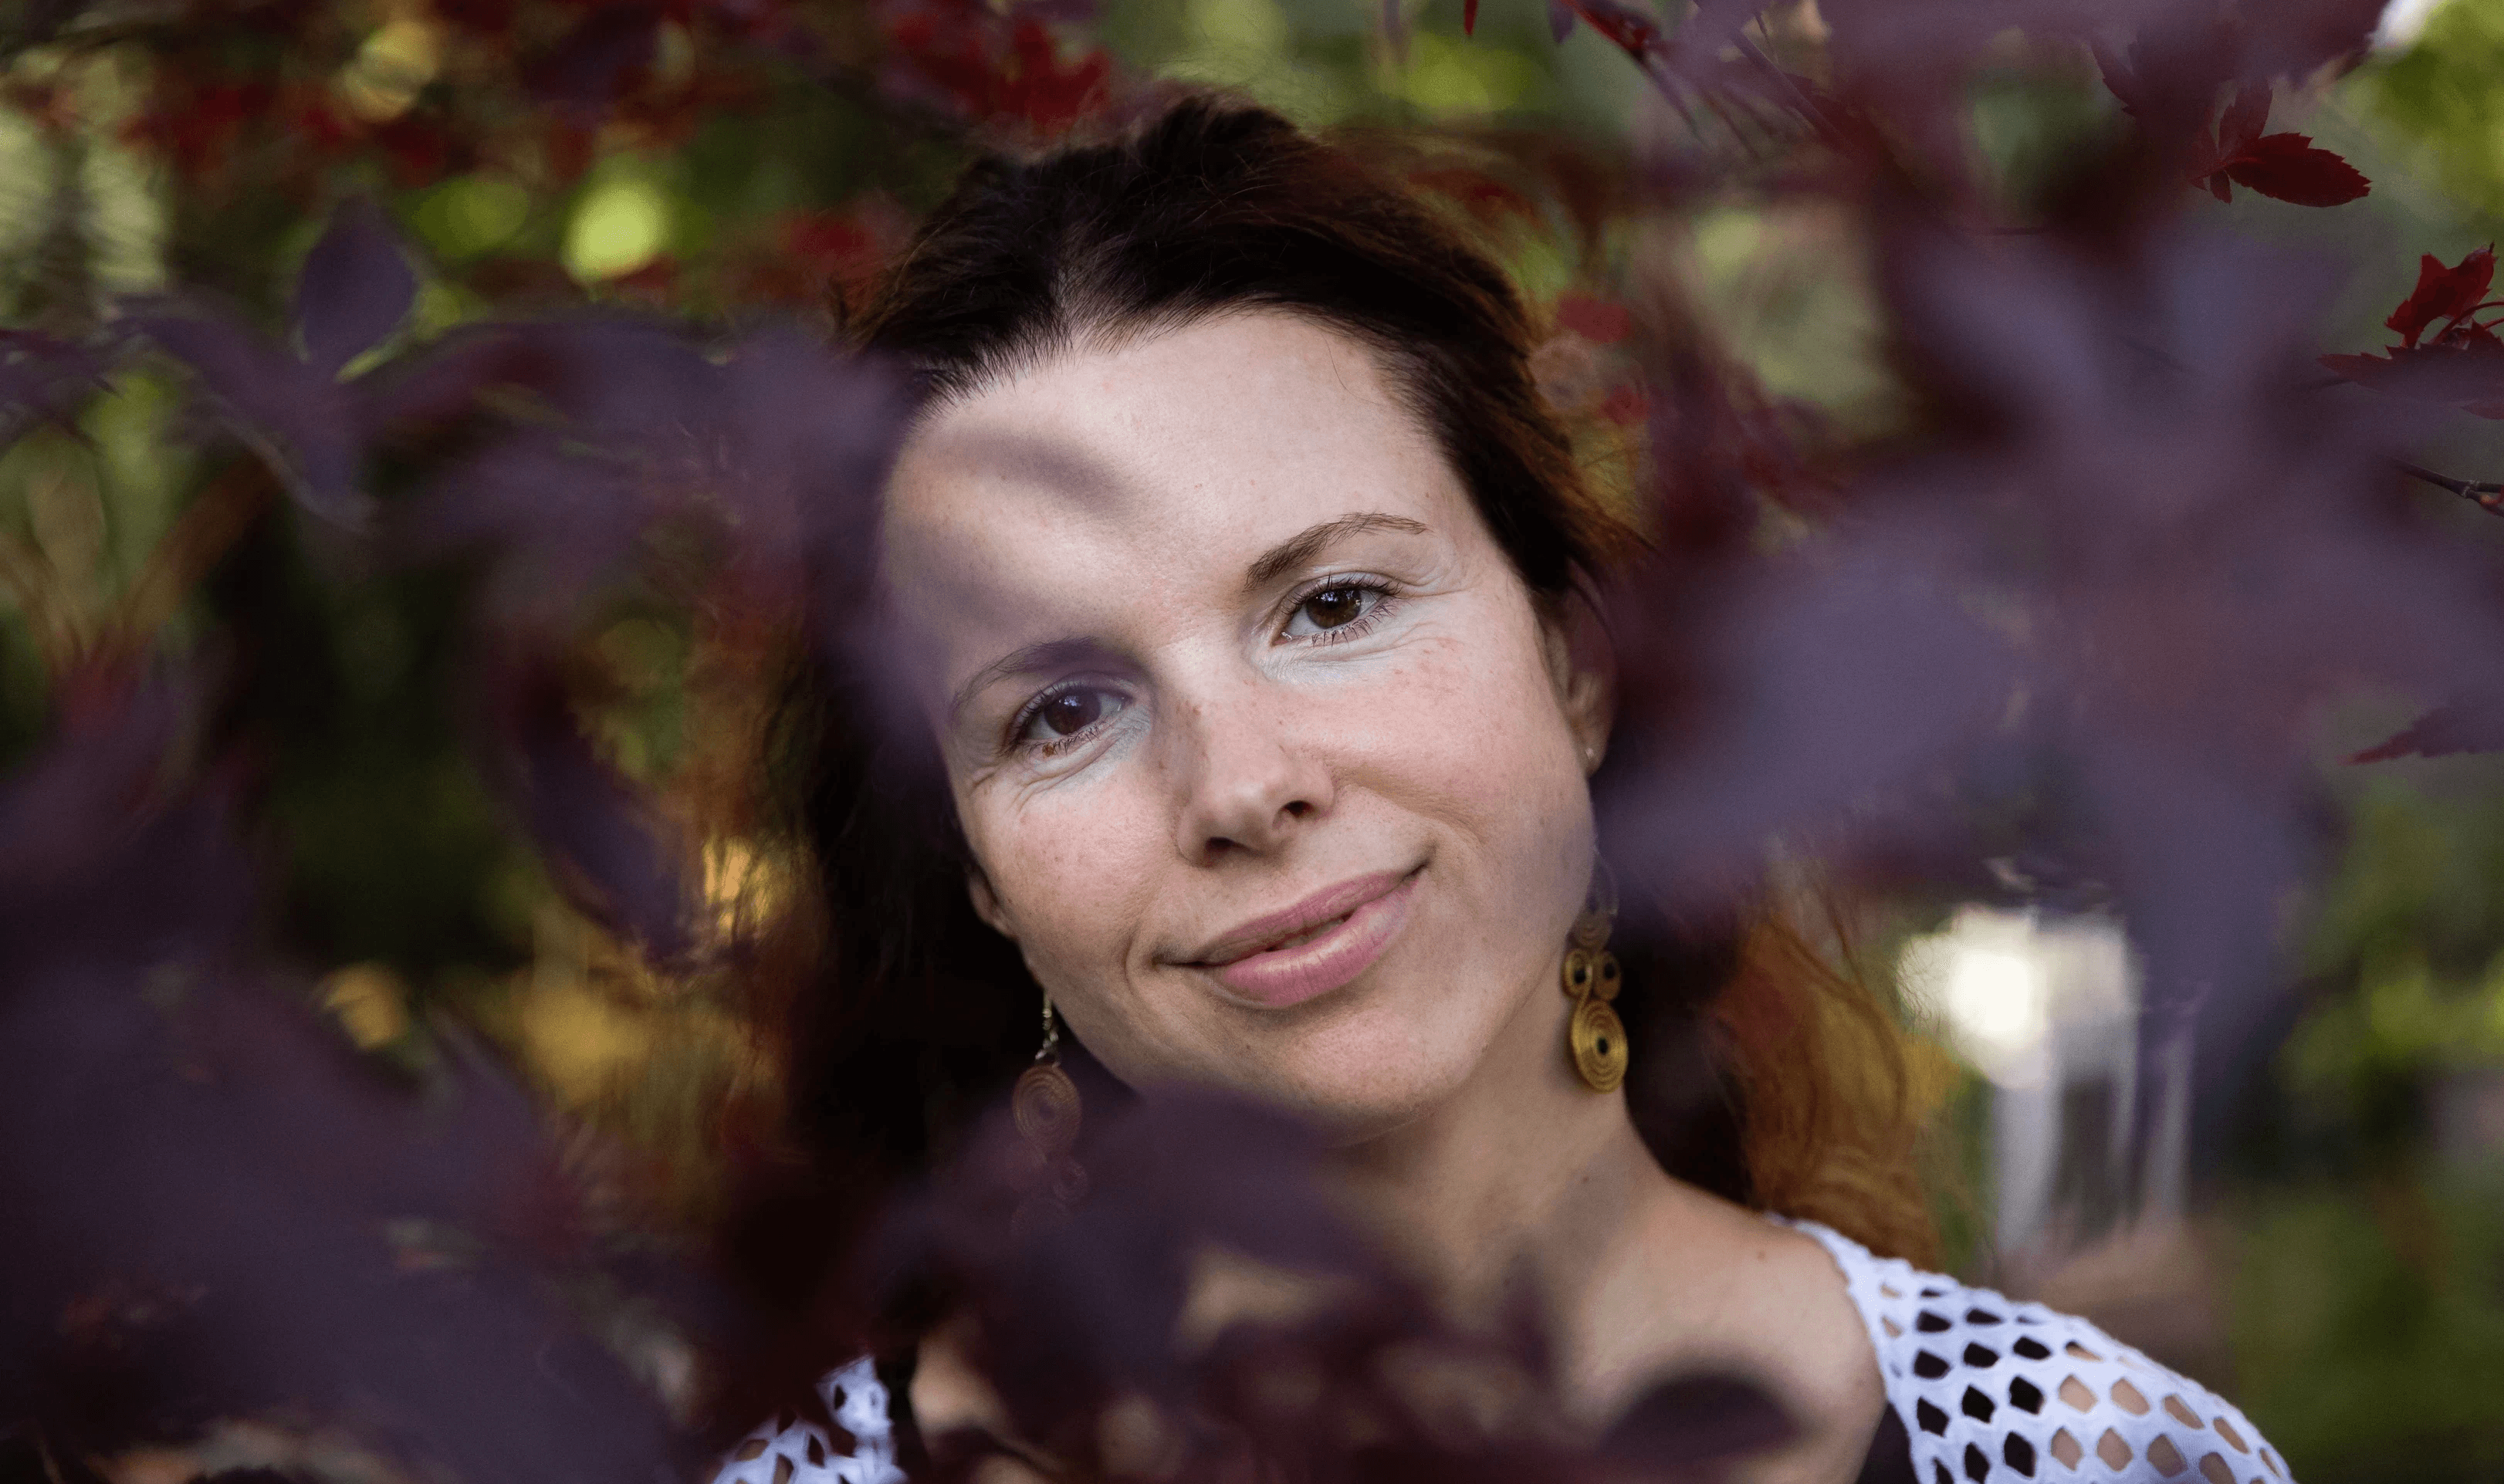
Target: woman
1232	576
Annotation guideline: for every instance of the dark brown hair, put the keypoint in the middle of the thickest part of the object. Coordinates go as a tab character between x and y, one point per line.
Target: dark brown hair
918	1014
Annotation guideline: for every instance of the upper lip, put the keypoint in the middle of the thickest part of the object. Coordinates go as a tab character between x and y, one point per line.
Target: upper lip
1250	938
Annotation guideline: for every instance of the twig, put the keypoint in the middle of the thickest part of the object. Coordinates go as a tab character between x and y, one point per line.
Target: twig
2489	496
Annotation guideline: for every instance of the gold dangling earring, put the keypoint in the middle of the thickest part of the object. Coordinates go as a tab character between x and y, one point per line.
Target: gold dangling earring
1595	1038
1045	1108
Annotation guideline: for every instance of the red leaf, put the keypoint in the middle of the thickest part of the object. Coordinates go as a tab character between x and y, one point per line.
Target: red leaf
1053	97
1626	406
2241	128
2443	294
418	150
1634	32
1593	319
2290	168
655	281
994	73
824	236
1488	200
485	18
2446	730
2120	78
1469	18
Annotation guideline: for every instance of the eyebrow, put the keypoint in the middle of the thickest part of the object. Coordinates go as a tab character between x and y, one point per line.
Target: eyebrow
1298	549
1285	556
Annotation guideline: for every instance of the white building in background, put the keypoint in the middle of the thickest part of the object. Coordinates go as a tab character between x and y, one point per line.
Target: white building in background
2047	1009
2402	20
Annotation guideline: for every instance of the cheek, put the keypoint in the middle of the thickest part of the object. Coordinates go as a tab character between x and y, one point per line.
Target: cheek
1474	730
1071	870
1477	743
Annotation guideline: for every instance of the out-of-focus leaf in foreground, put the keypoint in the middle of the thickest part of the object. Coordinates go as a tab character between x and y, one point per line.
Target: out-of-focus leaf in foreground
2101	610
744	478
1209	1309
217	1210
355	289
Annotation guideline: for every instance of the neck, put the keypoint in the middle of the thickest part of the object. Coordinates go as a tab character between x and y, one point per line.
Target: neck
1527	1185
1524	1176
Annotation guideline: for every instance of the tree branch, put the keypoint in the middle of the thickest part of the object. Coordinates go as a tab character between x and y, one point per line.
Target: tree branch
2488	496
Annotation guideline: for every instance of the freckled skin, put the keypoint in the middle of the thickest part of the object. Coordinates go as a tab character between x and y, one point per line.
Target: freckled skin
1248	770
1087	528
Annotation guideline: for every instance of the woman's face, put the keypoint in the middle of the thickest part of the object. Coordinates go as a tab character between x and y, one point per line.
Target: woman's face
1268	763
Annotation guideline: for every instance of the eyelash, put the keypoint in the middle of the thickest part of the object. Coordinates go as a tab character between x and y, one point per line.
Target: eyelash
1385	593
1053	746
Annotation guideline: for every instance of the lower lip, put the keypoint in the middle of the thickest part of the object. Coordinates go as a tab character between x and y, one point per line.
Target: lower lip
1285	976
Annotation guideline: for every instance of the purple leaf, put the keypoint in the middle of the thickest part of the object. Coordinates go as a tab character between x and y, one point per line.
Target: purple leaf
217	1208
2463	726
355	289
2467	373
1830	679
2116	592
300	420
42	379
69	817
608	848
1697	1426
421	395
2240	126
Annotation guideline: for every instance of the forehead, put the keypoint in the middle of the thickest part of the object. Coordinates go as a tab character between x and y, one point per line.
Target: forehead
1163	453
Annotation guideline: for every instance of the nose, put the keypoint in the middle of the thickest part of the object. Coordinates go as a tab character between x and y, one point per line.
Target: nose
1247	782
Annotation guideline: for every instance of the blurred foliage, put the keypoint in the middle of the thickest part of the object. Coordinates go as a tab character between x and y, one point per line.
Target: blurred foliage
2368	1333
715	177
2442	96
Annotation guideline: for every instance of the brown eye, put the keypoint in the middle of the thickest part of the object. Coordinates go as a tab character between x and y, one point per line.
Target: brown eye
1071	713
1335	606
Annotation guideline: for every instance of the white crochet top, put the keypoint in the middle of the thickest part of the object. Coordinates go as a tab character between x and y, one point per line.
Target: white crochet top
1989	1392
785	1451
1992	1390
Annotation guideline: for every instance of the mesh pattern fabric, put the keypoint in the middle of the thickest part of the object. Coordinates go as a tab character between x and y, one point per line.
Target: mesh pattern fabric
786	1450
1989	1392
1994	1392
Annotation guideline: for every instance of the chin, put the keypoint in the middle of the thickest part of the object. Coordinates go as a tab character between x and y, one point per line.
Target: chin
1360	1078
1355	1115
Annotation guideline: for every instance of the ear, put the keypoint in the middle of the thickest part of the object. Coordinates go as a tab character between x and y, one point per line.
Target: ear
1583	666
986	903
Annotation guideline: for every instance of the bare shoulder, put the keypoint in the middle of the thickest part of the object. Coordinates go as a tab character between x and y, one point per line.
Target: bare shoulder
1816	1350
1765	1301
1806	1302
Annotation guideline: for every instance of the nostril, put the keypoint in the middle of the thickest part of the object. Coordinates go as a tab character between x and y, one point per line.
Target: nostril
1299	808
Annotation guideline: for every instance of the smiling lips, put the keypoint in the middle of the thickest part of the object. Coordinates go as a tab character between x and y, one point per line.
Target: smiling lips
1316	945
